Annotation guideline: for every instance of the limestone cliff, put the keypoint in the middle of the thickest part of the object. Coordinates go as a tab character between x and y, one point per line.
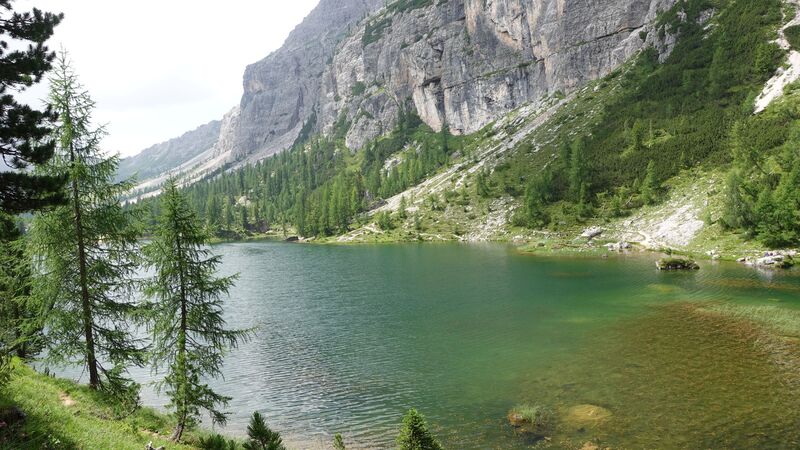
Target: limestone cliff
459	63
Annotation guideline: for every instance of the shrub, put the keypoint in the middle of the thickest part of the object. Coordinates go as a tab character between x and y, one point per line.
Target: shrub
261	436
216	442
414	433
793	36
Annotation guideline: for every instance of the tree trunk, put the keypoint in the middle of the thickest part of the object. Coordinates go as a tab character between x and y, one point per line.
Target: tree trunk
91	360
181	405
178	432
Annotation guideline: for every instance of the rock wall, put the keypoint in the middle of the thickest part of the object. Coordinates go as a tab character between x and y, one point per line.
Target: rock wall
458	63
464	63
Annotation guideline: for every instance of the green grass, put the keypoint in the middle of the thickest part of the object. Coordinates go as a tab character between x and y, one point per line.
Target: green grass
540	420
776	318
91	422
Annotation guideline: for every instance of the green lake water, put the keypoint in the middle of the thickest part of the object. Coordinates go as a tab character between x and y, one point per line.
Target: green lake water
350	337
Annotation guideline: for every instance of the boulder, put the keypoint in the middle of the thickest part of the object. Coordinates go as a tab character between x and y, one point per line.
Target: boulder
591	232
293	239
618	246
676	264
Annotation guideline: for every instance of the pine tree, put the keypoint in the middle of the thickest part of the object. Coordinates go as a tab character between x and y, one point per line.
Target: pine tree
185	303
414	433
650	184
261	437
24	131
20	323
87	250
338	442
577	169
20	326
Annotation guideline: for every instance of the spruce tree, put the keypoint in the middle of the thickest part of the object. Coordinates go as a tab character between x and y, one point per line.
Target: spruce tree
650	184
261	437
414	433
185	303
338	442
87	250
24	131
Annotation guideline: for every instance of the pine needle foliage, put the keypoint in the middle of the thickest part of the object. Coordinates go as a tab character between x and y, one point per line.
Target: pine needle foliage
87	251
261	436
184	302
24	131
414	433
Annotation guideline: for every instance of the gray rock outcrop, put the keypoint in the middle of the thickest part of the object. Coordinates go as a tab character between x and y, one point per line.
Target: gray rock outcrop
458	63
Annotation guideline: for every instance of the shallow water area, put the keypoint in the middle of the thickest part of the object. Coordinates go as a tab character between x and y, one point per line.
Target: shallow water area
350	337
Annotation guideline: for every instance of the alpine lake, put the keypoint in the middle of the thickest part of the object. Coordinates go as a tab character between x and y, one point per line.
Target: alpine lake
349	337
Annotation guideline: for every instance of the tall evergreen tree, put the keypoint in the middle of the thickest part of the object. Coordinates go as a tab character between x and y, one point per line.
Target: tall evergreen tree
24	131
185	299
87	250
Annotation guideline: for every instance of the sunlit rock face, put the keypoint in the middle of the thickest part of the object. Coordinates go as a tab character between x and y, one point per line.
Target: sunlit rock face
457	63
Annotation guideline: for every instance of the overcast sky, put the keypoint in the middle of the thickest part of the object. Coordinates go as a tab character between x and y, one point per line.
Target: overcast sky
160	68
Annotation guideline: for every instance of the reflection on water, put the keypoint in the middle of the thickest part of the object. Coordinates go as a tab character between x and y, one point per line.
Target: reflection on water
349	337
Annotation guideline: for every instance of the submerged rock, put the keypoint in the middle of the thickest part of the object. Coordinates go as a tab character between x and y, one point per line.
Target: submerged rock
676	264
534	421
582	416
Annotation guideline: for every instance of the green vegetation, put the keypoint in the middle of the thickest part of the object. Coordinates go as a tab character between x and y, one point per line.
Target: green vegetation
656	119
792	34
261	436
763	187
87	250
24	131
358	88
536	419
185	303
24	144
63	414
782	320
676	264
338	442
319	186
414	433
374	28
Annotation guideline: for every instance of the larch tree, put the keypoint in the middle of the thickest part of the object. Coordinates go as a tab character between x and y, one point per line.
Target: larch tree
86	251
185	302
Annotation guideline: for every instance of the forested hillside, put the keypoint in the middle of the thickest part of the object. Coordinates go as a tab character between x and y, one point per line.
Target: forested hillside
604	155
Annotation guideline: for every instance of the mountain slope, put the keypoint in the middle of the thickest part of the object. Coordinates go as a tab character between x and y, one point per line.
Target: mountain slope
459	64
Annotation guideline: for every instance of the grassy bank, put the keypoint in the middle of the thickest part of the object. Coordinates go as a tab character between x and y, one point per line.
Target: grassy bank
62	414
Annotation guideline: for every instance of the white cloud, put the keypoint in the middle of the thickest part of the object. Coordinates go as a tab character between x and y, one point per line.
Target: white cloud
159	68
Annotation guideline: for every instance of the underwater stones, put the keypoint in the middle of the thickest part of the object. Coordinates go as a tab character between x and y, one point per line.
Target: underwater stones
586	415
676	264
515	419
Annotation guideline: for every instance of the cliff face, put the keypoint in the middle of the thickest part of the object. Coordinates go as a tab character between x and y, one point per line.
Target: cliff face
465	63
459	63
281	91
